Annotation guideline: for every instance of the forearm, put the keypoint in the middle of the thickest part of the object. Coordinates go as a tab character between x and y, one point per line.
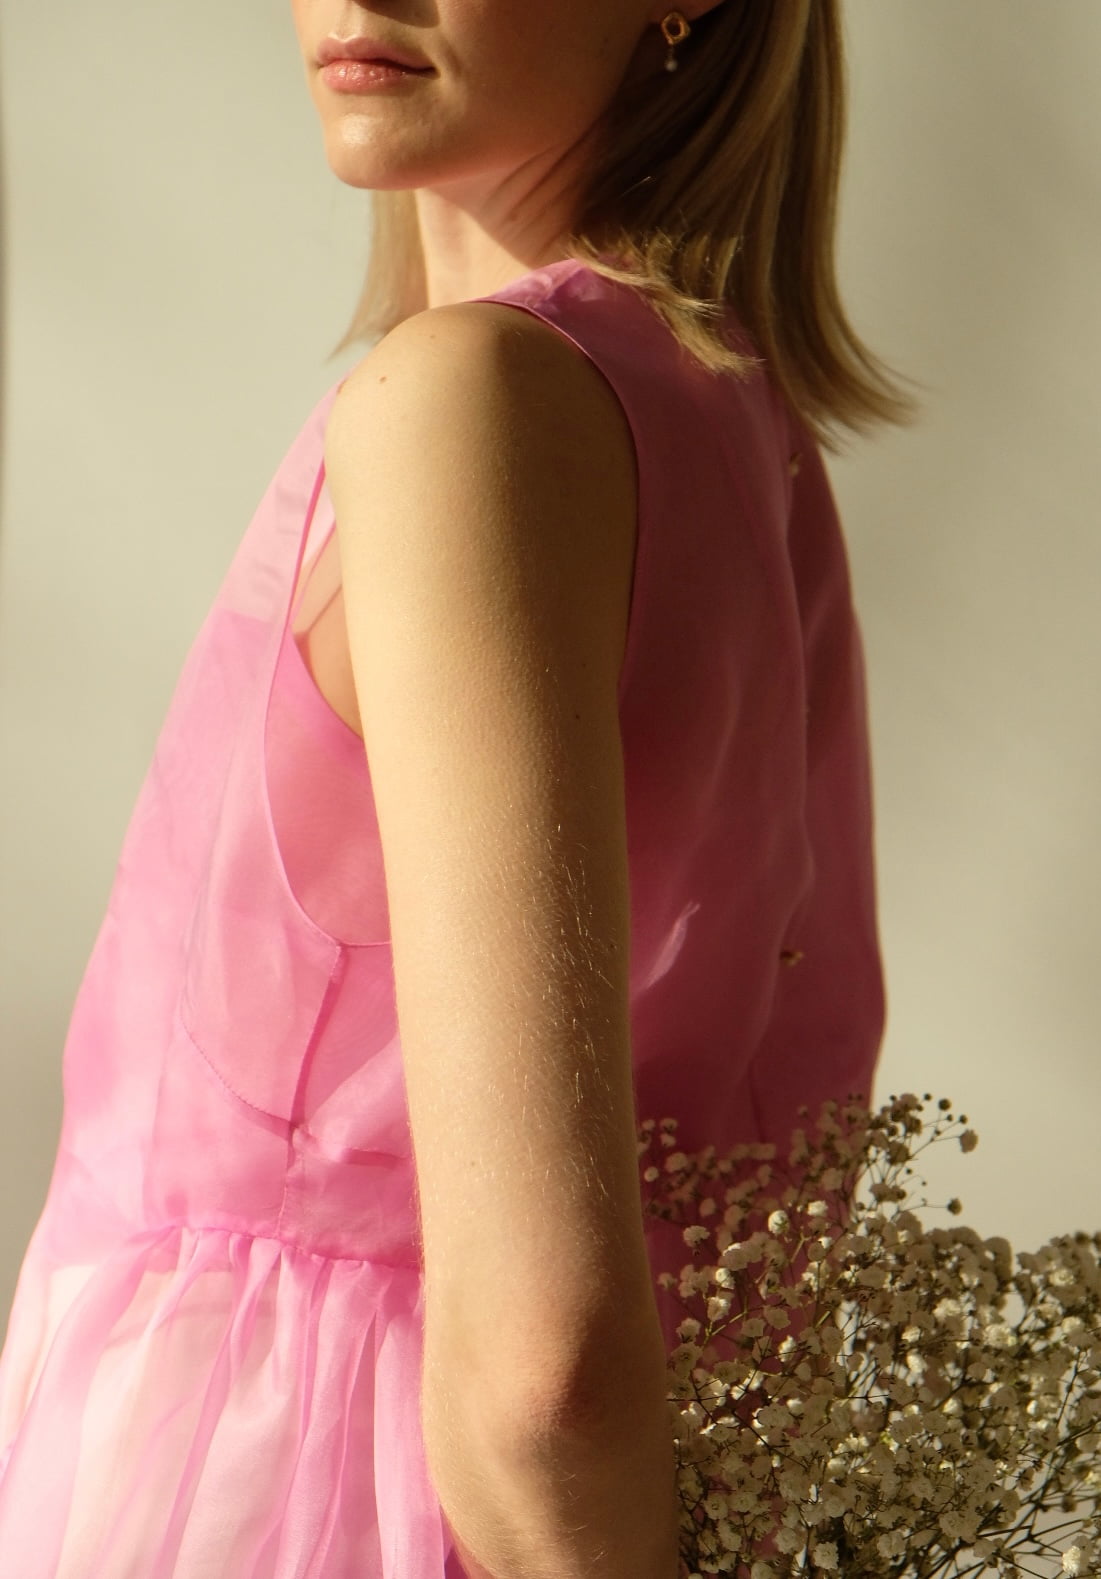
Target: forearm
581	1499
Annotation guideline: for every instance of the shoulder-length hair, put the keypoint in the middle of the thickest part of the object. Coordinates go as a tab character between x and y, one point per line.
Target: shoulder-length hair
711	187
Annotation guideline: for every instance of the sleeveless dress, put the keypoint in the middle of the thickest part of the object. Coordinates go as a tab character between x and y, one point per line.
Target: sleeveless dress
212	1361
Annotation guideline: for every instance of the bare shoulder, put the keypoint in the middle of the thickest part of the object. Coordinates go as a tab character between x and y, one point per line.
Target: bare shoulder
468	372
477	443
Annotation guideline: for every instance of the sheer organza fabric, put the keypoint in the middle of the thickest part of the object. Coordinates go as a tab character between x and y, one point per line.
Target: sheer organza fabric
212	1363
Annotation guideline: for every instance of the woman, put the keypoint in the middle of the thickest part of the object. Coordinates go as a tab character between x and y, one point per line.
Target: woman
533	802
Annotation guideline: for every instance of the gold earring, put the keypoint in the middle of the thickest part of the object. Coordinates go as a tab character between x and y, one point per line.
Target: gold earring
675	29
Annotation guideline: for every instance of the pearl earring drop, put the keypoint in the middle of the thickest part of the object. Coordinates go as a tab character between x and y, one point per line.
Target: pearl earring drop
675	30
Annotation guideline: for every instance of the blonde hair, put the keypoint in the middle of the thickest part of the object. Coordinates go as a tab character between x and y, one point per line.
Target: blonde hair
713	187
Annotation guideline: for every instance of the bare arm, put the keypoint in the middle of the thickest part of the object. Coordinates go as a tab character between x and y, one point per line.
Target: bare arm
483	479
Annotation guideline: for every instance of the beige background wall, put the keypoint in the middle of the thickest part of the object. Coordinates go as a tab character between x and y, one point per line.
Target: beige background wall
179	261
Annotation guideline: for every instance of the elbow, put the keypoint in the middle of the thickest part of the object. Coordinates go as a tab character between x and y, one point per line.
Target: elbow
546	1402
563	1384
549	1388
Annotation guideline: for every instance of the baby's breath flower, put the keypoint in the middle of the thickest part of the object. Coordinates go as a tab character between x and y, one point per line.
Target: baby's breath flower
907	1389
789	1541
736	1256
728	1535
1074	1327
684	1357
961	1526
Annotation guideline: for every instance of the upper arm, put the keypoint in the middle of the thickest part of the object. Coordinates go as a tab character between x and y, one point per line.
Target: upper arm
483	478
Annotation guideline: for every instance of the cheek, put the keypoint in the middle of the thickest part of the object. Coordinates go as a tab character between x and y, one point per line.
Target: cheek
582	64
307	23
542	87
553	56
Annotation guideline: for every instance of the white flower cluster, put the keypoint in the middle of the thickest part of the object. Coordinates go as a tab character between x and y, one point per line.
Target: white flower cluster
857	1394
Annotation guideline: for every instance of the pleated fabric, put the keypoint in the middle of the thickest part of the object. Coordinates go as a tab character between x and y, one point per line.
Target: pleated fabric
212	1362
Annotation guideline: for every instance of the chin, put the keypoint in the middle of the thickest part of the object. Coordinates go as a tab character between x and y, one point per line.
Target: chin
358	157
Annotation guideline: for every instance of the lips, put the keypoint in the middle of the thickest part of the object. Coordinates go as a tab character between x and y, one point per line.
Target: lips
365	49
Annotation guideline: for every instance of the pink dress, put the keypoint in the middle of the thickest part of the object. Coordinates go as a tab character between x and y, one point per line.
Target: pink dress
212	1359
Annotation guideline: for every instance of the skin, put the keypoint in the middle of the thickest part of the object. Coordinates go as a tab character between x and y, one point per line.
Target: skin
494	140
